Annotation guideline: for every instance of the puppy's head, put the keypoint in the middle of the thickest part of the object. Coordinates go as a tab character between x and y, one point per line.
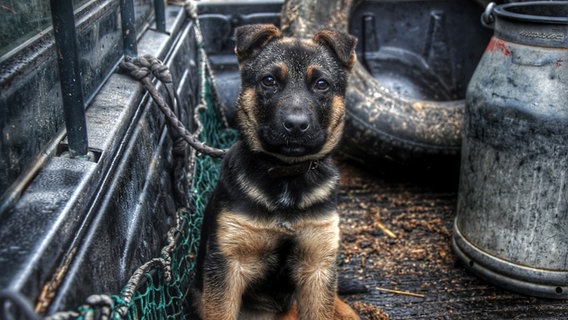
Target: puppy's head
292	99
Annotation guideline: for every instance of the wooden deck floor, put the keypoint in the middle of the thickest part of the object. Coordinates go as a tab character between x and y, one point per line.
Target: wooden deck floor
396	241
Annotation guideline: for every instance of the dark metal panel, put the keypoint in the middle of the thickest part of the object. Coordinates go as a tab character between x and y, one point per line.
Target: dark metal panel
97	216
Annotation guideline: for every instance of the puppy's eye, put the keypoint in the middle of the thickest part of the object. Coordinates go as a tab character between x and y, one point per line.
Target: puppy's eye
268	81
321	85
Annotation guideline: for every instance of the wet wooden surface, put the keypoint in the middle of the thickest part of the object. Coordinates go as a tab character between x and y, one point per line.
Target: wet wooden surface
396	236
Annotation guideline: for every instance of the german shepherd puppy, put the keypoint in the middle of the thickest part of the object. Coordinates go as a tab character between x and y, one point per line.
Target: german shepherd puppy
270	233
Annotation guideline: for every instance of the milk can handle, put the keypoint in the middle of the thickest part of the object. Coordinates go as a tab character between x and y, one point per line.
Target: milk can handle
487	17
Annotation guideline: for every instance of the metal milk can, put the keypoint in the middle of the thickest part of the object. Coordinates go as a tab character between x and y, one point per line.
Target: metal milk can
511	226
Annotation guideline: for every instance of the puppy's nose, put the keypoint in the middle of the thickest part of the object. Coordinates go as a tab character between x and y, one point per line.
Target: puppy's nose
296	123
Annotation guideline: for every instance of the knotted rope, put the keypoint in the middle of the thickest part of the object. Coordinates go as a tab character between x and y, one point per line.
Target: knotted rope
140	69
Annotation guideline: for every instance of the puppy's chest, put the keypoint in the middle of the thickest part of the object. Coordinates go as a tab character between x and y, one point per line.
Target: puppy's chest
284	195
239	235
287	195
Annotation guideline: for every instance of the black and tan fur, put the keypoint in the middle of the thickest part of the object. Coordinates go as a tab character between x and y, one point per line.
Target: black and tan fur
270	232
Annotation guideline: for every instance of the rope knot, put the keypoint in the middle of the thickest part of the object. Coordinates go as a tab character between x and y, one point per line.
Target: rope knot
135	67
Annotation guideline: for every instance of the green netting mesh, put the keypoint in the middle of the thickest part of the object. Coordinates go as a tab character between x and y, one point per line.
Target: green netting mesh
161	299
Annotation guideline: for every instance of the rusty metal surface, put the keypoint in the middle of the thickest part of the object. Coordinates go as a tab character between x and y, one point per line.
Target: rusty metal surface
396	236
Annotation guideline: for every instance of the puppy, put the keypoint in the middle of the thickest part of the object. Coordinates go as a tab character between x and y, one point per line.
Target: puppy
270	232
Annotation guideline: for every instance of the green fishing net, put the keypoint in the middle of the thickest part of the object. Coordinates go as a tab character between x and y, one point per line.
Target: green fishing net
161	299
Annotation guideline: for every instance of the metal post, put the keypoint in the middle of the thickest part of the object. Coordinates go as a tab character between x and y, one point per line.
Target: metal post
128	27
70	76
160	10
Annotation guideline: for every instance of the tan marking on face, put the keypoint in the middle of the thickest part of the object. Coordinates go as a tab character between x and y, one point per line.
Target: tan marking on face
337	114
336	124
310	71
283	70
246	109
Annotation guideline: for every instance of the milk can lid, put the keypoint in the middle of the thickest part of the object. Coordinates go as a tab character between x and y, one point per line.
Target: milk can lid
555	12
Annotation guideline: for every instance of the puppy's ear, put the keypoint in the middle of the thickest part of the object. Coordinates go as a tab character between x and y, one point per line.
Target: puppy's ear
250	38
341	43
